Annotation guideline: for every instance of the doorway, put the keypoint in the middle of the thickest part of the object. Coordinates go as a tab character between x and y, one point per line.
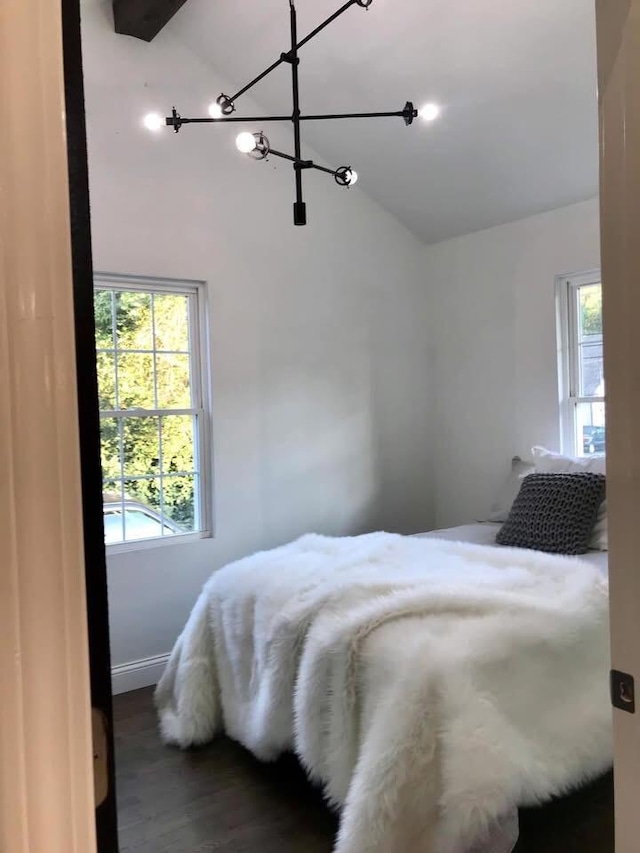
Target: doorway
619	52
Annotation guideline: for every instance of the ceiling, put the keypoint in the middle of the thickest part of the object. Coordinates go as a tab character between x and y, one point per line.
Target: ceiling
518	133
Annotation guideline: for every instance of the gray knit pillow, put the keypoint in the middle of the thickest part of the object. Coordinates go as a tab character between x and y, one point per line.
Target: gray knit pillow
554	513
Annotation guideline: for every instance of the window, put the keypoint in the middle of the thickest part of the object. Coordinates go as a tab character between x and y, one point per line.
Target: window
152	408
581	364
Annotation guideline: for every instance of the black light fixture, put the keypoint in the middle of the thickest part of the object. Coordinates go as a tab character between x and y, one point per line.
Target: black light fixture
257	145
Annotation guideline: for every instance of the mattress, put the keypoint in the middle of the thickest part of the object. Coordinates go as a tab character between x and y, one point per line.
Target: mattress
484	533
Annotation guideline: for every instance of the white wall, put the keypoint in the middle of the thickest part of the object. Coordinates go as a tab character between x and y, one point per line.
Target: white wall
494	349
318	334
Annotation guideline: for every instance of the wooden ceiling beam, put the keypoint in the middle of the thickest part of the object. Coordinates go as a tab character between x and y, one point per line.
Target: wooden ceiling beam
143	19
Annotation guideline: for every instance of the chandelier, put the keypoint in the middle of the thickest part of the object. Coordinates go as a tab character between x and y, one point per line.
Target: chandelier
257	146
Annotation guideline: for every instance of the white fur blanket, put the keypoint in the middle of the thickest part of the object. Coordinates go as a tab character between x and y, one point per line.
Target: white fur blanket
429	686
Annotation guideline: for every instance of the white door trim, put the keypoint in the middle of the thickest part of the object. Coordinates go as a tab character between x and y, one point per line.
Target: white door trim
619	89
46	756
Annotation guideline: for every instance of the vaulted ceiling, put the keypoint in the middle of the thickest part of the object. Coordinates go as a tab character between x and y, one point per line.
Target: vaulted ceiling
516	82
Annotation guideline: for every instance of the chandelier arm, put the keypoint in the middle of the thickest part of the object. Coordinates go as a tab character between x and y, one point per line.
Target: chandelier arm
302	164
299	207
326	23
257	79
286	57
395	114
170	120
283	156
311	165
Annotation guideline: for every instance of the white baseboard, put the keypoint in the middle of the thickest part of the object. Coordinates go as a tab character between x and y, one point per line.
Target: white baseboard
137	674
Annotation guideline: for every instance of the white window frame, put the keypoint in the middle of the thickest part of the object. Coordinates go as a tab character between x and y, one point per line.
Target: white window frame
568	355
201	398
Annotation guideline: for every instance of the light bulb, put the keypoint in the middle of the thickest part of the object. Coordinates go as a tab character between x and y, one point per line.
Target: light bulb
429	112
215	110
246	142
345	176
153	121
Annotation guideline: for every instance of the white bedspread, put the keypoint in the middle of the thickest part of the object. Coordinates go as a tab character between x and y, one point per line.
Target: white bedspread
484	533
429	686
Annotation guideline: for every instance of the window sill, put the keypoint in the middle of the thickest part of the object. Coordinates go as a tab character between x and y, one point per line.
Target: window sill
158	542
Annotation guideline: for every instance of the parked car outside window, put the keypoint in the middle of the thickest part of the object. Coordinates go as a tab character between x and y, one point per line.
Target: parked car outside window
137	519
594	439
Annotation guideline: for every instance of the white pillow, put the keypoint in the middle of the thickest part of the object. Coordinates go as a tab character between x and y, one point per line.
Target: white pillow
502	506
548	462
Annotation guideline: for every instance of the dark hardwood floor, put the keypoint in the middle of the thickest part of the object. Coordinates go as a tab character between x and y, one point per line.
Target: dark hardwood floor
579	823
218	799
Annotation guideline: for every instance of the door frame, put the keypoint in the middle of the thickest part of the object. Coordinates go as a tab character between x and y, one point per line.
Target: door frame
46	773
618	26
46	751
89	430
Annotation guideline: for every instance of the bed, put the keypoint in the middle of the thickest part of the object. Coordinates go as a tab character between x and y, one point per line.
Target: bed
484	533
430	684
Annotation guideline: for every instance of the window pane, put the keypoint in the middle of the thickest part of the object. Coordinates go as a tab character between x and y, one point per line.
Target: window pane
591	429
111	490
590	354
133	320
106	380
141	446
110	449
142	516
171	313
113	526
590	310
178	444
174	381
112	511
103	310
145	492
180	501
591	369
135	381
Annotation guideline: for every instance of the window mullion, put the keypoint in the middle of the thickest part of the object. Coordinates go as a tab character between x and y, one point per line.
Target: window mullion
195	367
578	400
155	400
147	413
144	284
574	350
114	331
194	351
